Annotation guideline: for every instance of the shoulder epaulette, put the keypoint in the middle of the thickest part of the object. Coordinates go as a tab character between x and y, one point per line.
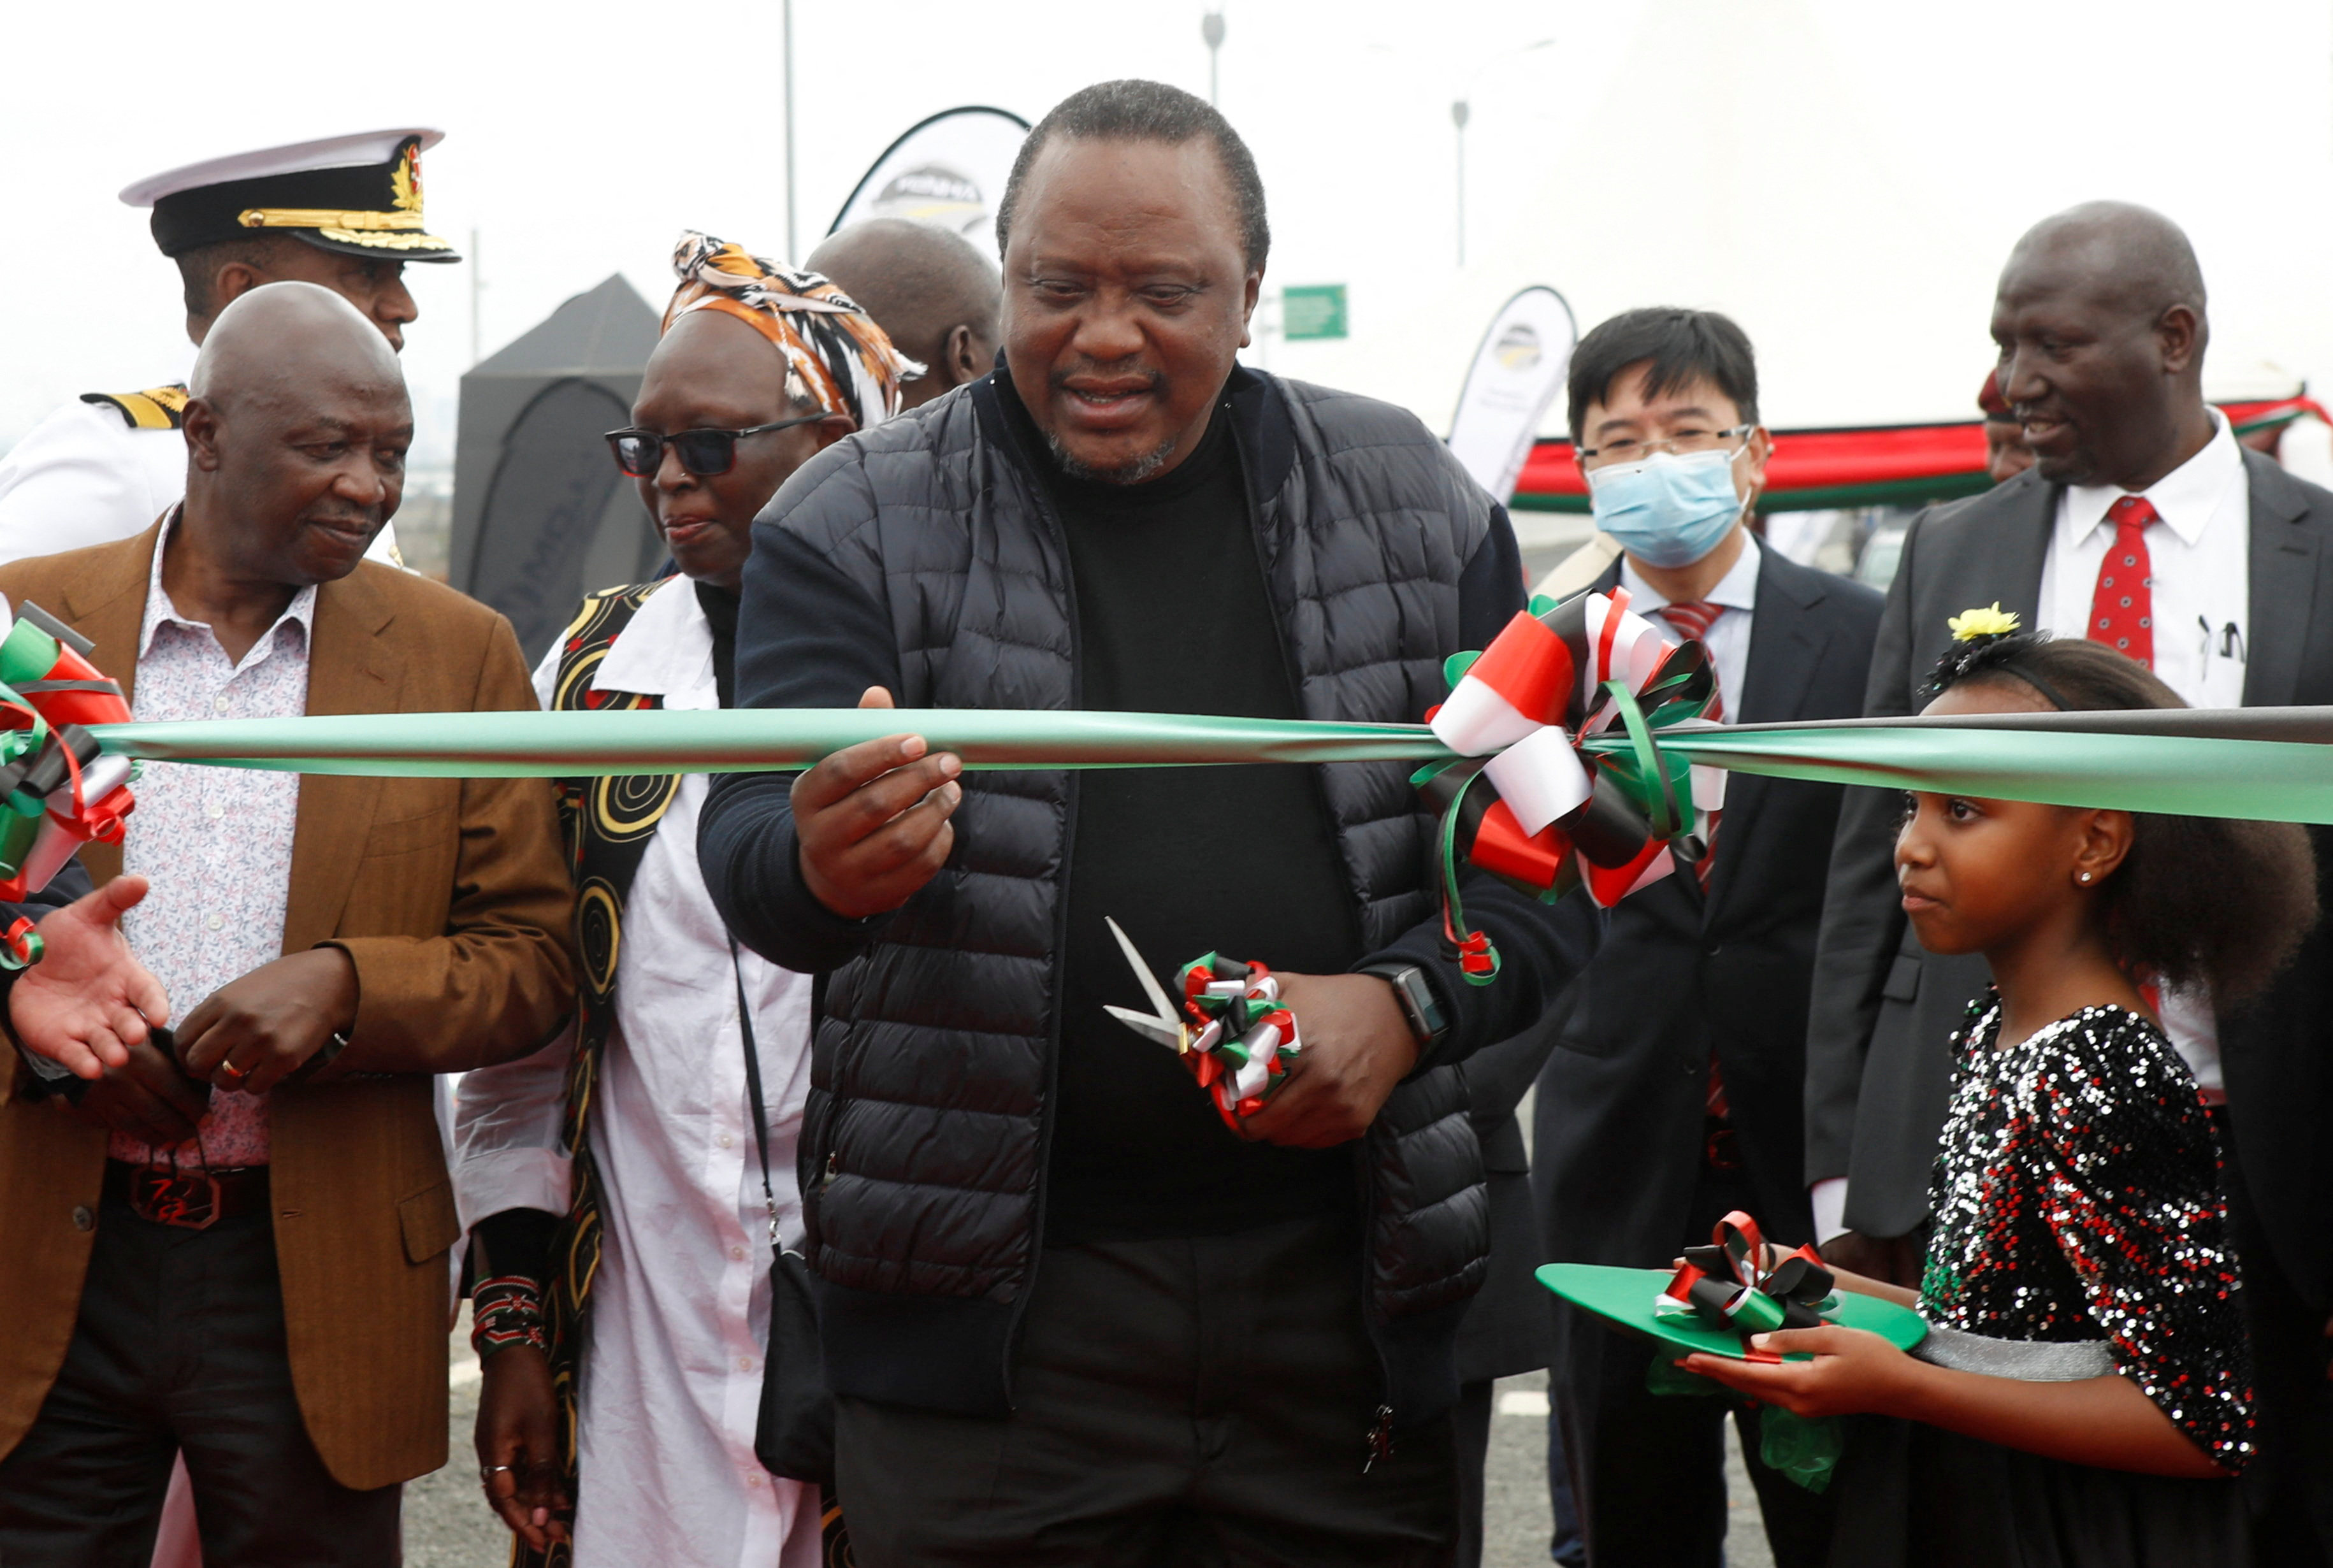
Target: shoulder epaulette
156	409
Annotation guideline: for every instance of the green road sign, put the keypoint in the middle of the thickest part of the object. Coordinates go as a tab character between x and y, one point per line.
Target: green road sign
1312	310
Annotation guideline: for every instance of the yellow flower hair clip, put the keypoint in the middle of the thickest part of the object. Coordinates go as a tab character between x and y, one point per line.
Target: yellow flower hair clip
1992	621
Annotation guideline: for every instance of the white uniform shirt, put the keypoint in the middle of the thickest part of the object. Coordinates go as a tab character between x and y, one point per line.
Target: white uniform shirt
84	475
681	1307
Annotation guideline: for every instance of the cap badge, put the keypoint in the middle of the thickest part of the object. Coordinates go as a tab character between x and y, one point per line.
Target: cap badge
405	180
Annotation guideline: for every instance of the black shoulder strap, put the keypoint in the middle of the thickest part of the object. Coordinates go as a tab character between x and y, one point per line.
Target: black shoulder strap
753	1087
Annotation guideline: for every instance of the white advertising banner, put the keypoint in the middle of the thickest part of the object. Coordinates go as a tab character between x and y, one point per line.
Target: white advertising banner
948	170
1516	374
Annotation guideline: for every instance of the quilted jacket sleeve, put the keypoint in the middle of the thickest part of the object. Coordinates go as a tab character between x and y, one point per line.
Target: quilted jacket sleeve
809	636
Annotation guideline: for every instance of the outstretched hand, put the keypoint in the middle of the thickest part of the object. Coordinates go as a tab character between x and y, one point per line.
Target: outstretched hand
89	1000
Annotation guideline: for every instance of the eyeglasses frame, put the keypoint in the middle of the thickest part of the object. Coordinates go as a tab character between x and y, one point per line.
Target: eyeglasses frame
1581	454
664	440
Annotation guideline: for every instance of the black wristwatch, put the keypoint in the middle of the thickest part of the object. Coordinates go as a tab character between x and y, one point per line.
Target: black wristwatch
1415	996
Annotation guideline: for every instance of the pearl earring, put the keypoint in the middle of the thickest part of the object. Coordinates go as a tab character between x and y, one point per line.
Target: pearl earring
2084	877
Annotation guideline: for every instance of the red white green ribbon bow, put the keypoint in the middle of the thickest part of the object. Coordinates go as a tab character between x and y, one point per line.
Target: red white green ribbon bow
57	790
1235	1034
1727	1286
1525	803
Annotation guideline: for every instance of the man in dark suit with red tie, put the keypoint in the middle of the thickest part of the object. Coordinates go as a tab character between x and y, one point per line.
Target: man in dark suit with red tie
1672	1089
2144	525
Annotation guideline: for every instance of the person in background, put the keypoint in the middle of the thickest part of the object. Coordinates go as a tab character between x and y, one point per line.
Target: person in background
2006	456
635	1129
1505	1330
344	213
234	1246
935	296
1069	1315
1673	1091
2144	525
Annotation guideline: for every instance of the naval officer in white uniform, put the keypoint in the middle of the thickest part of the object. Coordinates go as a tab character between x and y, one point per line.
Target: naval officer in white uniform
344	213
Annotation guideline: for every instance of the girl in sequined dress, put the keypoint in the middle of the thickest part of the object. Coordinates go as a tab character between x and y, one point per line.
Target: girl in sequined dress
2083	1396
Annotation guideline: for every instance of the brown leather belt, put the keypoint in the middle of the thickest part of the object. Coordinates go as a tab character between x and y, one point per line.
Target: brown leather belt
188	1198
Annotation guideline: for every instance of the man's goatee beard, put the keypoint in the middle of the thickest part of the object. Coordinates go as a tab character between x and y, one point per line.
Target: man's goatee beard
1143	467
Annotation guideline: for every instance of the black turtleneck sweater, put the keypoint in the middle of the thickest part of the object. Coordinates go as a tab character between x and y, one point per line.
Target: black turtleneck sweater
1173	616
720	608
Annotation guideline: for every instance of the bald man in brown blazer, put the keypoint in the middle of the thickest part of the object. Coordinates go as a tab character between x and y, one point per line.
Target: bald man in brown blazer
270	1298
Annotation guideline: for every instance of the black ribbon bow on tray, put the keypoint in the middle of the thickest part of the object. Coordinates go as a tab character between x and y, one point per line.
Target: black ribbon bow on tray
1727	1286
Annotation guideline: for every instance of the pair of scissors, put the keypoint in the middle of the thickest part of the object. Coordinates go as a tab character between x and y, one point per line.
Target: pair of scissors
1238	1039
1162	1023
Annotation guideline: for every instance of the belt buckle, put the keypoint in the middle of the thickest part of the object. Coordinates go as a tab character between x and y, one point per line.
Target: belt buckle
186	1200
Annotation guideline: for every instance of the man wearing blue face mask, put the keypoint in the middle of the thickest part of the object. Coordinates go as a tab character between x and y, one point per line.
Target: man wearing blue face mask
1672	1087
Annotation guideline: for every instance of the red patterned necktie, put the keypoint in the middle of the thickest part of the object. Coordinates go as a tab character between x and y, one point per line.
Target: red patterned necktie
2122	606
1694	619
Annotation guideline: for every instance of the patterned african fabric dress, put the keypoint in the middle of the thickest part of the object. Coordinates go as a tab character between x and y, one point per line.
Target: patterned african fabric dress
2079	1230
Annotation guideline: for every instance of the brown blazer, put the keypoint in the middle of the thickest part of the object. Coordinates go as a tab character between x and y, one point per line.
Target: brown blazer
452	898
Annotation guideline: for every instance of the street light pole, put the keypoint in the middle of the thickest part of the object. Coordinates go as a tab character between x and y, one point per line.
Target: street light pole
793	255
1458	116
1211	28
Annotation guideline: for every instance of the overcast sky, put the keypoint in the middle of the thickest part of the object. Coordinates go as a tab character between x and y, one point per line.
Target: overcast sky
1845	176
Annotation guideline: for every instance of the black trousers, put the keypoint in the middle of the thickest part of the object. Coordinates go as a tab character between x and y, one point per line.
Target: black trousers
2288	1486
179	1346
1197	1401
1648	1469
1470	1423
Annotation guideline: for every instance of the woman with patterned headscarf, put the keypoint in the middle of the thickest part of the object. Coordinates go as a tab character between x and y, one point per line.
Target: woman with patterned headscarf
612	1183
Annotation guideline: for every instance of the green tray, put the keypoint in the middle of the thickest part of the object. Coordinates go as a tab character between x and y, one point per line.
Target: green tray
1624	1298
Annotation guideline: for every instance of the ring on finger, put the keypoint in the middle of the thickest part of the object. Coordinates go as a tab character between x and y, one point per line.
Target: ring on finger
486	1472
234	1074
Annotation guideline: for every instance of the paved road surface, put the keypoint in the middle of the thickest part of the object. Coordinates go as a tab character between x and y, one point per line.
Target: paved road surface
448	1526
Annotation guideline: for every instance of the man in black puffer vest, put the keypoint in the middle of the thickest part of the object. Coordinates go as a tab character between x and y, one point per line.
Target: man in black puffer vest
1070	1315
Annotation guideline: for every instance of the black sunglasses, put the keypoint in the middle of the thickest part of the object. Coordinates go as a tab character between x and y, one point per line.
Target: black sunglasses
704	452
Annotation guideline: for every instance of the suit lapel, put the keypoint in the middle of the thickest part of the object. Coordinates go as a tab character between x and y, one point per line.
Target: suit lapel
2024	548
108	607
1785	645
349	671
2283	553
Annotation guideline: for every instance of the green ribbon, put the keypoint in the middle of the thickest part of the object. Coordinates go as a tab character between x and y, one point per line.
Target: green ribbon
520	745
2263	763
2175	775
1804	1448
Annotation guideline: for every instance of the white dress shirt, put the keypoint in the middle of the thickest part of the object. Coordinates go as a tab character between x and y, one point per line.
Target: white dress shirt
1728	641
681	1307
2199	548
2199	551
84	475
